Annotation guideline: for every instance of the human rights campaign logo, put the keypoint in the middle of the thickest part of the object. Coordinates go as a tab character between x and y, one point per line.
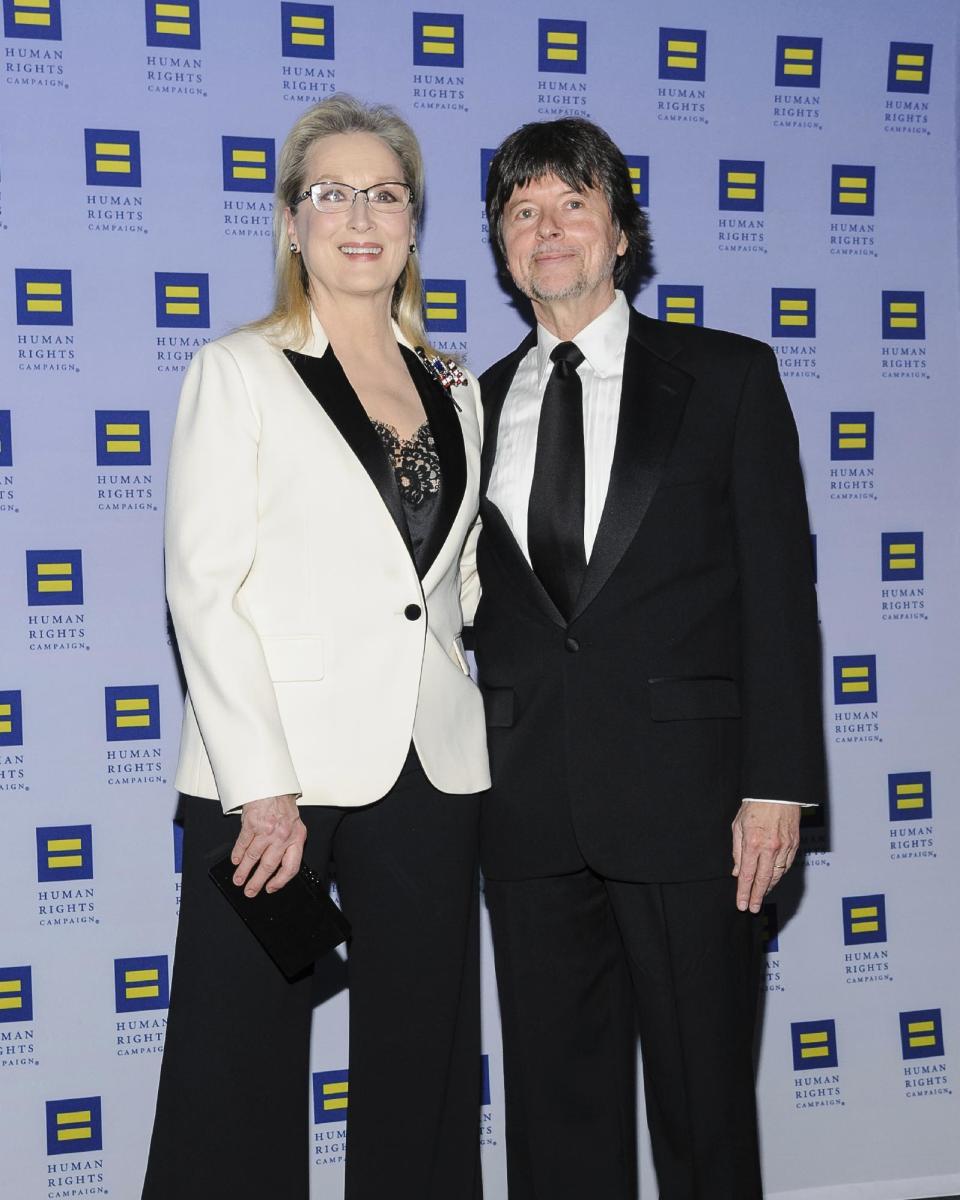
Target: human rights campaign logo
113	156
921	1033
6	438
910	795
909	67
741	185
331	1095
445	303
683	54
902	556
64	852
16	994
814	1044
793	312
563	46
307	30
437	39
851	435
248	164
864	920
133	713
852	190
44	297
855	679
183	301
903	316
141	983
175	25
123	437
74	1125
680	304
11	719
798	61
54	577
32	19
638	168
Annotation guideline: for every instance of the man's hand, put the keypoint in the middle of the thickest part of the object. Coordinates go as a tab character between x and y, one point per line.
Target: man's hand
271	837
765	841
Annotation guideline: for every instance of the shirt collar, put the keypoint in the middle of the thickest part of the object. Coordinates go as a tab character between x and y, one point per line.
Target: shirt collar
601	342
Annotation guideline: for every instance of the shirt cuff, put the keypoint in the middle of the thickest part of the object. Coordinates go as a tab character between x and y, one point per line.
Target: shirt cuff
761	800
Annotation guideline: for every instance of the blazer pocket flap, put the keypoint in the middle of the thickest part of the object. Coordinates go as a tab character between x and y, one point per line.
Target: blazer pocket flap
499	706
691	699
294	659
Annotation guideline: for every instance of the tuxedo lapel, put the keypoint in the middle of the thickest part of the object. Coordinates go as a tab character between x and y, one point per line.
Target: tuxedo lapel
652	402
331	389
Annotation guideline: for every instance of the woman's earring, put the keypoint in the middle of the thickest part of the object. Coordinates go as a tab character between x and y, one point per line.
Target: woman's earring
413	247
294	248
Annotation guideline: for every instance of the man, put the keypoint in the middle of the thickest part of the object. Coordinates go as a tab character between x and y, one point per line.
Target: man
647	644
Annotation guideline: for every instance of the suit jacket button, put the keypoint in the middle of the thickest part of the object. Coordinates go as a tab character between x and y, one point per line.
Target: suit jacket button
412	612
572	645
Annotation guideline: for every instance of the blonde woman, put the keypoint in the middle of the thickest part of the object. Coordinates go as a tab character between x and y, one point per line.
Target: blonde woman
319	548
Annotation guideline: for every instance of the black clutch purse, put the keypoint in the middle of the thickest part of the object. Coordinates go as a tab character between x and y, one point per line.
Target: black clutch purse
296	925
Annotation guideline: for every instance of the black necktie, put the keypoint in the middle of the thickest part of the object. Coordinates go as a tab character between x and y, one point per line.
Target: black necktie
555	516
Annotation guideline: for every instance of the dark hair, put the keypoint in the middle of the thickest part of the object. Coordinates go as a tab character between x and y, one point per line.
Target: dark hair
584	156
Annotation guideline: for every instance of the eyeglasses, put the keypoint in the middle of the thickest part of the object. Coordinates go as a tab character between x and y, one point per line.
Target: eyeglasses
329	197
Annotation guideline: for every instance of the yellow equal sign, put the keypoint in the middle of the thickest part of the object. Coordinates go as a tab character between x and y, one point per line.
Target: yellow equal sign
853	189
814	1045
6	718
182	298
249	164
563	46
142	984
11	994
903	314
119	165
308	31
910	67
55	585
635	181
136	713
865	919
45	297
32	12
794	312
72	1126
922	1033
441	306
335	1095
902	556
439	39
60	856
910	795
742	185
173	19
797	61
682	310
682	54
852	435
122	438
854	679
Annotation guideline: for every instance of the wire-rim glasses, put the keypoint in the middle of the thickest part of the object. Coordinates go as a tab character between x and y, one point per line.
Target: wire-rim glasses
328	196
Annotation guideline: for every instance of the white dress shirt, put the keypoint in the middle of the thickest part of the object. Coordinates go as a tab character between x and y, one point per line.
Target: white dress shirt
603	344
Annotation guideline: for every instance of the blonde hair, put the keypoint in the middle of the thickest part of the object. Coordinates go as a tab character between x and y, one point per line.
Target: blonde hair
289	319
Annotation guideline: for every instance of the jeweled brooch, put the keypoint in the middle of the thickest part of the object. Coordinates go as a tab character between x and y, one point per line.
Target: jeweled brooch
448	374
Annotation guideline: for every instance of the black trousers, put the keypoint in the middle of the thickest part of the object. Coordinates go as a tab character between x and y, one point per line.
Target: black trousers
581	961
232	1116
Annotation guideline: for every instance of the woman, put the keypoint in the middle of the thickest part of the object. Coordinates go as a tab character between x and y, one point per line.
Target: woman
321	497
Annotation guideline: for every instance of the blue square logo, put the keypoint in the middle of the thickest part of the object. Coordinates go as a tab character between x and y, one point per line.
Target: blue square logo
177	848
248	164
113	157
909	66
793	312
852	190
141	983
901	556
903	316
562	47
74	1126
741	185
54	577
437	39
307	30
176	25
64	852
32	19
638	166
183	300
864	920
16	995
798	62
680	304
6	438
921	1033
910	796
123	437
855	679
331	1096
133	713
683	54
11	719
486	158
814	1045
44	297
445	303
851	436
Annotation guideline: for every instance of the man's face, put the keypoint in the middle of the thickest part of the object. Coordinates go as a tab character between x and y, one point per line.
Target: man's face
560	244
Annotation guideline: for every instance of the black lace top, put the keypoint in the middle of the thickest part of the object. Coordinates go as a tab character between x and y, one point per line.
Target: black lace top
416	467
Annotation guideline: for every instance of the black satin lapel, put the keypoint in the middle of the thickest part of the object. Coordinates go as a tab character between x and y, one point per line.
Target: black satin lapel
448	436
504	544
331	389
494	385
652	403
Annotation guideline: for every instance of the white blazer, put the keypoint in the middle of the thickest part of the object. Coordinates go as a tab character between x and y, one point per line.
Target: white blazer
313	653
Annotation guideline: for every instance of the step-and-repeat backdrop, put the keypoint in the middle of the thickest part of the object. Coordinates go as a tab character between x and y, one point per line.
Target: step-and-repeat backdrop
798	163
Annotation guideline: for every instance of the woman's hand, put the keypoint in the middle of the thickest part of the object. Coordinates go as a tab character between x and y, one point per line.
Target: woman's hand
271	840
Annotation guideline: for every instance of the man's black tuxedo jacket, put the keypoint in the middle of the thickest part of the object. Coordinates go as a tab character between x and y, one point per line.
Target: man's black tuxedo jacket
688	676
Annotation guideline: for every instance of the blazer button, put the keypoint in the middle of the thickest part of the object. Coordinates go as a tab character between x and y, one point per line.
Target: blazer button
572	645
412	612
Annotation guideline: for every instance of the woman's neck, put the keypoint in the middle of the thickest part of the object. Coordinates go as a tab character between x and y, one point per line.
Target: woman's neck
356	324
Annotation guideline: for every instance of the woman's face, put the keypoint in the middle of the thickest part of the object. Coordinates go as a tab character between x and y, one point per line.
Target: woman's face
359	252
